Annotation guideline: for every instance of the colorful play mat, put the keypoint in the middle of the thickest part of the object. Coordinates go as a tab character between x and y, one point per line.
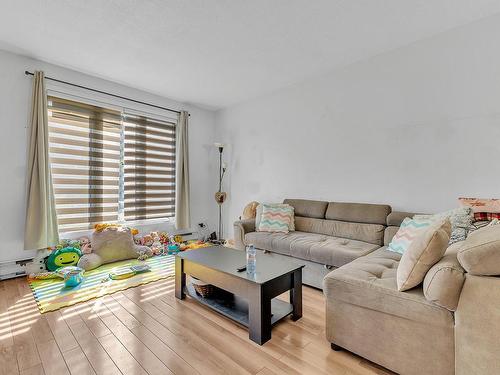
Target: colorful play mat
52	295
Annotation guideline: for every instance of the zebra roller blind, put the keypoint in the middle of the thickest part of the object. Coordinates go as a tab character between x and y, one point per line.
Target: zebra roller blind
149	168
108	166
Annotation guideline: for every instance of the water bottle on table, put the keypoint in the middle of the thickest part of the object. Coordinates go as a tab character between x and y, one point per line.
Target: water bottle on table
251	258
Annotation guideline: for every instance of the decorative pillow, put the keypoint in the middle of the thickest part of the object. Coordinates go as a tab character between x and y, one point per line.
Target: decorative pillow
258	215
460	219
480	253
408	231
486	216
444	281
275	219
481	205
424	251
111	244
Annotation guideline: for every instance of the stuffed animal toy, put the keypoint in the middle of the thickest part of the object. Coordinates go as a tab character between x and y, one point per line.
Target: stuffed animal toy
37	265
164	238
100	227
68	256
250	211
85	245
147	240
111	244
67	243
156	246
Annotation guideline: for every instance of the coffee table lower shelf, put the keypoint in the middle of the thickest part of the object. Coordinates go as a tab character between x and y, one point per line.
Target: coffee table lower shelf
236	308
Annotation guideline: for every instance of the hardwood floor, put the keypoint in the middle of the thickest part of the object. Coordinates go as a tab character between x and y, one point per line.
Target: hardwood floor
145	330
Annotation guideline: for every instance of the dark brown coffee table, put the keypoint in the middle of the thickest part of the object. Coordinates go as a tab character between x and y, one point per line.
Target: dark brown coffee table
251	300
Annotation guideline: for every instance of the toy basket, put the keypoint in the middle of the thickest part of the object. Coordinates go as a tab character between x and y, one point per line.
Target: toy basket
202	288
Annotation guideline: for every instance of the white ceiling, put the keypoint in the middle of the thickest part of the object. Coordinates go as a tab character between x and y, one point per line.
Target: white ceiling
220	52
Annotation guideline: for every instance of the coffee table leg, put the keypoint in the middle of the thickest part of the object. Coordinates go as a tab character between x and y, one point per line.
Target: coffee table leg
259	315
180	278
296	295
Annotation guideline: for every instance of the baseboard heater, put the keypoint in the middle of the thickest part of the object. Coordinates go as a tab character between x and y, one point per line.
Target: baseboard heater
9	270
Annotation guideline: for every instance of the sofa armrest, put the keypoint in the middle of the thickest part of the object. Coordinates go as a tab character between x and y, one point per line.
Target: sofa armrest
477	324
242	227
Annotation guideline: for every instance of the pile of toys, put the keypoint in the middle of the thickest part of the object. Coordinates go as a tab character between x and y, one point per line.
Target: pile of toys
62	259
161	243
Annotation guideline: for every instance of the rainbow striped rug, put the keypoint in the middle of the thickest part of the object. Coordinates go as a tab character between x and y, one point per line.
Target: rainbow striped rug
52	295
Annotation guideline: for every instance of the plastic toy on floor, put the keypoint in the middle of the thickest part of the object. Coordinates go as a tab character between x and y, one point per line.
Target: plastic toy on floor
173	248
45	275
72	276
132	271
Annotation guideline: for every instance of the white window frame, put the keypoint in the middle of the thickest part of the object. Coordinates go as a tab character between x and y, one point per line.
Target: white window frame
102	100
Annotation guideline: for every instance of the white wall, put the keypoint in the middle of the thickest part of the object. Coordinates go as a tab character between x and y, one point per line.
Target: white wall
415	128
15	92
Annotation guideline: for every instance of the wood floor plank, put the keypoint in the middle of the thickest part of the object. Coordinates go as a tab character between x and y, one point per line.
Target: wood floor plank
187	344
77	362
146	330
97	356
61	332
8	361
25	349
266	371
35	370
52	360
96	326
245	352
141	353
173	361
123	359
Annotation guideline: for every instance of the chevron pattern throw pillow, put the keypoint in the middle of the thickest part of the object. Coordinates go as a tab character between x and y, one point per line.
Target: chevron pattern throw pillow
275	218
408	231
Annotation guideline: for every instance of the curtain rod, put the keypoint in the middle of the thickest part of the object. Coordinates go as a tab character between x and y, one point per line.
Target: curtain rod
107	93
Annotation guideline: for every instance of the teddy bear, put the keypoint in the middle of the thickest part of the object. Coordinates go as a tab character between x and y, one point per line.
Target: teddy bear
147	240
250	211
156	246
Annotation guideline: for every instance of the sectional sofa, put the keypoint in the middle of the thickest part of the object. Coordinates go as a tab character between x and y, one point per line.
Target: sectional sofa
447	325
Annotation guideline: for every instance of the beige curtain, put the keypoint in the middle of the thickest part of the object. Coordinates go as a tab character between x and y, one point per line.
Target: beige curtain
41	221
182	216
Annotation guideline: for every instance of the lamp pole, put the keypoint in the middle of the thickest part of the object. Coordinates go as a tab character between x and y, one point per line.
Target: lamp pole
221	149
220	196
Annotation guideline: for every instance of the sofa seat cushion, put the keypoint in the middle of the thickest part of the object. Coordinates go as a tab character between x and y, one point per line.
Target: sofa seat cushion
370	282
332	251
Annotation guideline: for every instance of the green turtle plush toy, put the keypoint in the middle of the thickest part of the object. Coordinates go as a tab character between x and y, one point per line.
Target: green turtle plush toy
68	256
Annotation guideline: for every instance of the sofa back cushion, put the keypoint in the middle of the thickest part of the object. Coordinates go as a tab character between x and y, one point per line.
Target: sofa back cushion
358	212
395	218
480	252
371	233
308	208
444	281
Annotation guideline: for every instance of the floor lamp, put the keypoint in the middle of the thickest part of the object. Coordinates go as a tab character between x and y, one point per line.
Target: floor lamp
220	196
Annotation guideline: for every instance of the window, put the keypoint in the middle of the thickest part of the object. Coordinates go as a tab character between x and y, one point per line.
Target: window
149	168
109	165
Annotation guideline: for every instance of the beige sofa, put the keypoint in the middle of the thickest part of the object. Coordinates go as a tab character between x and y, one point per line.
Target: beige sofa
327	236
450	324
